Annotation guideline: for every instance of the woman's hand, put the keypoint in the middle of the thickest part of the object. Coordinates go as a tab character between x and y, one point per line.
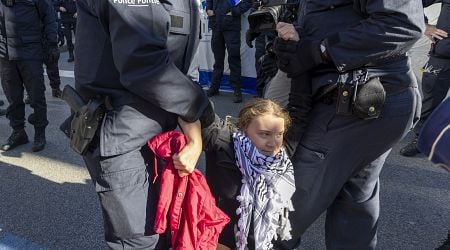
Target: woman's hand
186	160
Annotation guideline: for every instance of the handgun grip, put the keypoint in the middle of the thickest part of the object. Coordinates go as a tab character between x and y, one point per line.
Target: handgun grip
71	96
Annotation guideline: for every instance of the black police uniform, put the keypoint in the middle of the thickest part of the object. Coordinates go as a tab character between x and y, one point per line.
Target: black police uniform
339	158
23	27
436	75
68	23
124	51
226	33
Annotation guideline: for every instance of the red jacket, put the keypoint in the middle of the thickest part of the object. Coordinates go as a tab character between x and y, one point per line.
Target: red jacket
185	202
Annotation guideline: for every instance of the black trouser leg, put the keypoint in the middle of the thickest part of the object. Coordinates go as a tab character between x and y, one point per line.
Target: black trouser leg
233	44
67	30
127	198
32	73
218	49
13	88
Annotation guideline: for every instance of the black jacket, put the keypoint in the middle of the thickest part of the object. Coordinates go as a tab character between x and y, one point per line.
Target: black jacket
24	26
222	21
125	52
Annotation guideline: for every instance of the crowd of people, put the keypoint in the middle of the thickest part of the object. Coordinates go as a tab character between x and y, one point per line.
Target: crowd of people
341	70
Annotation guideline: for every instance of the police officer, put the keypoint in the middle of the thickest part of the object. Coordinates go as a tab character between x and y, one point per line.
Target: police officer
225	22
68	14
436	73
338	160
52	68
23	26
135	56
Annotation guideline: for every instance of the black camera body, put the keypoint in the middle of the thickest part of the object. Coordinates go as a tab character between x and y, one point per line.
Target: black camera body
270	12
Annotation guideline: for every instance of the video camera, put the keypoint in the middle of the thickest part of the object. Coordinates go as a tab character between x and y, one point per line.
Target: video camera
270	12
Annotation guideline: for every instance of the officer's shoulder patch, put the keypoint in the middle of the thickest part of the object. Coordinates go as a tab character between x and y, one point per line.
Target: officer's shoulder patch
180	22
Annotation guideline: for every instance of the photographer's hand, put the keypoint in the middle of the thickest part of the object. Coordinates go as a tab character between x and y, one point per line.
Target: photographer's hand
287	31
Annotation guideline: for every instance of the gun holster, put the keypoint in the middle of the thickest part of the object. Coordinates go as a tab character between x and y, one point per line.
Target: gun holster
86	119
363	97
84	125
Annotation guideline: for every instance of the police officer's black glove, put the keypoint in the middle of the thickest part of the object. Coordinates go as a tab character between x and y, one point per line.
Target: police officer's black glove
250	35
296	58
52	54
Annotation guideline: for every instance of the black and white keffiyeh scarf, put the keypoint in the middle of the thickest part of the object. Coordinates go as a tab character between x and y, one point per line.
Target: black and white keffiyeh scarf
267	188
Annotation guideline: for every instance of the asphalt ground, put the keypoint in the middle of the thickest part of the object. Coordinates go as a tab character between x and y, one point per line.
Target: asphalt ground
47	200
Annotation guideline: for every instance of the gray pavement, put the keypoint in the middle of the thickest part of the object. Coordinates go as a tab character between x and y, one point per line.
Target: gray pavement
47	200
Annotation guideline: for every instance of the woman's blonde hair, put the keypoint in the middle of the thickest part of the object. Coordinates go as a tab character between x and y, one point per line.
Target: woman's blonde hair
258	107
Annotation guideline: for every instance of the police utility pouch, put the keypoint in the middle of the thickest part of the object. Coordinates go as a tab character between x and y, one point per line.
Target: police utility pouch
86	119
363	97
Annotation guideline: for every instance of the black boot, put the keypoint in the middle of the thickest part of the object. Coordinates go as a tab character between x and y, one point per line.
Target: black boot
17	138
39	139
410	149
56	92
237	96
213	90
71	57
